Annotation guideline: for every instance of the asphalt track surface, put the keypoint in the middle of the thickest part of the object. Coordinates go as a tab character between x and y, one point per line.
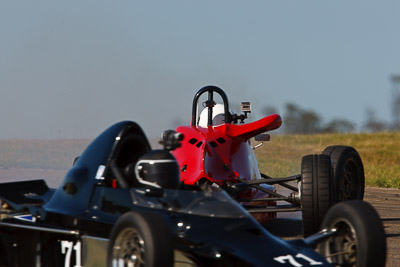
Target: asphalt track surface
385	200
287	225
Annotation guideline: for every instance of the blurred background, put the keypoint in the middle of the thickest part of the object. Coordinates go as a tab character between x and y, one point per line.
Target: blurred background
69	69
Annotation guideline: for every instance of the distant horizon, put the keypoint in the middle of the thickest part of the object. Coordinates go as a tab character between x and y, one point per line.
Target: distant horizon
70	69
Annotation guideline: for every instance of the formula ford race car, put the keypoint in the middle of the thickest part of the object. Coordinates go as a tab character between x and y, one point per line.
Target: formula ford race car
217	152
122	204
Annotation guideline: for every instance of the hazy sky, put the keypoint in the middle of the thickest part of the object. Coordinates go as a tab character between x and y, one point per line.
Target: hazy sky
72	68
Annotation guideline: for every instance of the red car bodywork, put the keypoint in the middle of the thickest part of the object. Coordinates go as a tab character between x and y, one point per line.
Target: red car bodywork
223	153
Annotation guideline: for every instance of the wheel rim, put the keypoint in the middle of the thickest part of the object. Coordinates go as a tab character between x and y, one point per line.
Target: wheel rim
129	249
349	184
341	250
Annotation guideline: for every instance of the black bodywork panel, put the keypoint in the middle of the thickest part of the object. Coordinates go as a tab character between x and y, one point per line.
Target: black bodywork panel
209	227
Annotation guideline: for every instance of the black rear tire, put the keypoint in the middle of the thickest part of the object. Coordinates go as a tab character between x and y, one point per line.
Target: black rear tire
360	235
140	239
316	191
348	172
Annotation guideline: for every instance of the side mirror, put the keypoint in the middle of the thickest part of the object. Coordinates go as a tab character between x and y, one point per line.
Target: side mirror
262	137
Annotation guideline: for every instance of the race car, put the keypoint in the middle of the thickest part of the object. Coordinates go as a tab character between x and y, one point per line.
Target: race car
123	204
217	152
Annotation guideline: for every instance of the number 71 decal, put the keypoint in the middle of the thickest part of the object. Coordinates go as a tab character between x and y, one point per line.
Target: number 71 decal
67	247
290	259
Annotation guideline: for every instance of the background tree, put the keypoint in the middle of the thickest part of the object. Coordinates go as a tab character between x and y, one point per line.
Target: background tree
305	121
395	104
372	123
299	120
339	126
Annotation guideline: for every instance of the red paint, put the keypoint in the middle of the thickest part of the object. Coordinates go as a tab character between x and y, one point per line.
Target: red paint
222	153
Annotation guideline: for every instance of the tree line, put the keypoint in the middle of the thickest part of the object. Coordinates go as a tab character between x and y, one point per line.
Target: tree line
298	120
306	121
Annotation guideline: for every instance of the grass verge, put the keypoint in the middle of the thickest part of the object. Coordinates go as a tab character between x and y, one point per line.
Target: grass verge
380	153
280	157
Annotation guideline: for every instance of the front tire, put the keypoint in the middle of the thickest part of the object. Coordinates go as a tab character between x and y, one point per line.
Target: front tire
360	239
140	239
316	191
348	172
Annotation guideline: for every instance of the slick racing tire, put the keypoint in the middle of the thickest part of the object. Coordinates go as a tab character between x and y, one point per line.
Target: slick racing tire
316	191
359	239
348	172
140	239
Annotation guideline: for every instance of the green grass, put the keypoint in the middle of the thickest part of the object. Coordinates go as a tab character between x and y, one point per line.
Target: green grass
380	153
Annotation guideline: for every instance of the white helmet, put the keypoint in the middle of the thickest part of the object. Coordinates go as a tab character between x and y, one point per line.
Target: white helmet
218	116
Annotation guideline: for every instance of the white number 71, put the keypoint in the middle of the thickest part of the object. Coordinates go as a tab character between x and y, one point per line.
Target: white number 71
66	248
292	260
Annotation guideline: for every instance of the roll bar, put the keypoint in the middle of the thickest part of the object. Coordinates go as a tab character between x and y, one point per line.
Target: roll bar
210	103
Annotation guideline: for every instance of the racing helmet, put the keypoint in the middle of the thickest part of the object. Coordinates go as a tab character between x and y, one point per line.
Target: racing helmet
218	116
159	169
